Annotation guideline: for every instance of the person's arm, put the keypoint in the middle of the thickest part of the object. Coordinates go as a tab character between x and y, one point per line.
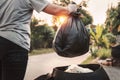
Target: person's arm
56	10
59	10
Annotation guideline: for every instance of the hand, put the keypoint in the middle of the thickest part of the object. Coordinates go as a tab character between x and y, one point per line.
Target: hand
72	8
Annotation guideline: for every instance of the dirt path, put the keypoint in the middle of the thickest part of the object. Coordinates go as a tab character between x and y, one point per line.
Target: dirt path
42	64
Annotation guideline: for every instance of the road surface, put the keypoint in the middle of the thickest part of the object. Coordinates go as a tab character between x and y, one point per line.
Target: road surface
44	63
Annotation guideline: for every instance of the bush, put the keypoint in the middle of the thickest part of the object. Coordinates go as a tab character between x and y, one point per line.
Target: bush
42	37
103	53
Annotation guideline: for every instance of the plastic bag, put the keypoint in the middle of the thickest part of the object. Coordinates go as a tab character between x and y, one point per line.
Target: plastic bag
77	69
72	38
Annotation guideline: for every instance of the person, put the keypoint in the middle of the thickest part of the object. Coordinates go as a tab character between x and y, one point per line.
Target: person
114	60
115	52
15	17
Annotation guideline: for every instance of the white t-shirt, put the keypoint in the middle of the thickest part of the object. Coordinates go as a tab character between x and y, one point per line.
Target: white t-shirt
15	17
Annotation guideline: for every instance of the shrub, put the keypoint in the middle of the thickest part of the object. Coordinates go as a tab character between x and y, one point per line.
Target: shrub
42	37
103	53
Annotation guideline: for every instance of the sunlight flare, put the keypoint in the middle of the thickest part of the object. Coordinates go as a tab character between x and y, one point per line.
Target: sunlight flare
61	20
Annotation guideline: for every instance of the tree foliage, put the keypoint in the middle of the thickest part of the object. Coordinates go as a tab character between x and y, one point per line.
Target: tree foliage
41	35
113	18
87	19
99	37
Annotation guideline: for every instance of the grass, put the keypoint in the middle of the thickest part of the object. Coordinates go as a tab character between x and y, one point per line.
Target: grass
88	60
103	53
100	54
41	51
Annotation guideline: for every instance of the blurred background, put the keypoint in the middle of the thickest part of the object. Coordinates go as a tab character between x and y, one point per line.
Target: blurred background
100	17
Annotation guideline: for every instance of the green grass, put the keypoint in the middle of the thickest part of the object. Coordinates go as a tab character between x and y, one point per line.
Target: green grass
41	51
100	54
103	53
88	60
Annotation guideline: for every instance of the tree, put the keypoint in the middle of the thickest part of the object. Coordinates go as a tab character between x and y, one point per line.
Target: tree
42	36
87	19
61	2
100	39
34	22
113	19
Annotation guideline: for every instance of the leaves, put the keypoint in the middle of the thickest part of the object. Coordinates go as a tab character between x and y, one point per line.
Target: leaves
113	20
99	37
42	36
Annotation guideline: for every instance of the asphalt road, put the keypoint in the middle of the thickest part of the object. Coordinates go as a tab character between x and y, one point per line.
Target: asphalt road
42	64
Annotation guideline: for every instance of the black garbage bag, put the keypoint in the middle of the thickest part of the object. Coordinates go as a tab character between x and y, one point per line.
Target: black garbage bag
97	74
72	38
